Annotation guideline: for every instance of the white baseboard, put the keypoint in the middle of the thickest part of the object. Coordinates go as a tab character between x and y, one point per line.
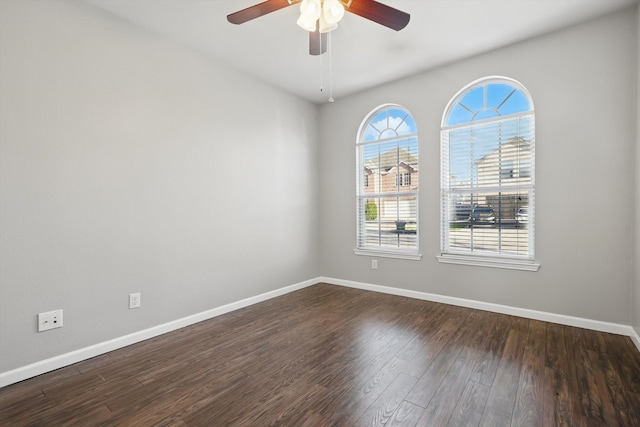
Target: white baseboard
596	325
635	337
79	355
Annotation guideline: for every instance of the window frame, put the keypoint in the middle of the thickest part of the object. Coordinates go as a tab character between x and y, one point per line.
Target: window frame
486	259
400	189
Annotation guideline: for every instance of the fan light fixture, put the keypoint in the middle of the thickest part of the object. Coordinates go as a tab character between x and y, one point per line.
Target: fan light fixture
325	14
320	17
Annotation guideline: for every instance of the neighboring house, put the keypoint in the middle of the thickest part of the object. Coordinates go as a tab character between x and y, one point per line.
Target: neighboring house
507	168
394	171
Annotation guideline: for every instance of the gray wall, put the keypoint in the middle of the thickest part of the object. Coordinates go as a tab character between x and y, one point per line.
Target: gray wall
582	80
129	164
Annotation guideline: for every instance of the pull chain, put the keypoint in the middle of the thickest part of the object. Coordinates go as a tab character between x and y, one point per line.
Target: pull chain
330	69
321	74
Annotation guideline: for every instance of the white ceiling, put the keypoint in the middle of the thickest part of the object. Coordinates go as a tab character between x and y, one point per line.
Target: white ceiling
362	53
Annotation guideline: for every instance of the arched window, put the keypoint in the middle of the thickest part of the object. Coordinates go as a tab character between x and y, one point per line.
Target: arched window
488	175
387	183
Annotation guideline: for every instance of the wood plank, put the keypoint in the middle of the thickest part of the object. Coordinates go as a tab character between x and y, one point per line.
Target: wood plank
529	407
435	338
354	400
495	417
622	370
470	408
283	408
67	407
430	381
502	396
608	385
487	368
583	385
557	398
450	392
407	415
380	411
171	407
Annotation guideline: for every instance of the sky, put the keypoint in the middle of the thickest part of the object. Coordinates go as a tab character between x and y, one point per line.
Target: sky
475	105
488	101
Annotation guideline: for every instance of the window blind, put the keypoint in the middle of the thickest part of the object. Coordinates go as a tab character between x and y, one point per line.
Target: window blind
488	187
387	182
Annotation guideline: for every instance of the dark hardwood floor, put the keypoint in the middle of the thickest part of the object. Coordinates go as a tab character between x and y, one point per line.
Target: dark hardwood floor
328	355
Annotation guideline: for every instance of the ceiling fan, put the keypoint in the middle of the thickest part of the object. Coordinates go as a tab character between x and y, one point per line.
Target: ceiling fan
321	16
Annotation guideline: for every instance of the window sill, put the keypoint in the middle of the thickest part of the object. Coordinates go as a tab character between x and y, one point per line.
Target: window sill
480	261
415	256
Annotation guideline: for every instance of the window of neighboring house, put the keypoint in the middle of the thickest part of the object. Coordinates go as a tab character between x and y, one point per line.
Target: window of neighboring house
506	169
387	184
403	179
488	179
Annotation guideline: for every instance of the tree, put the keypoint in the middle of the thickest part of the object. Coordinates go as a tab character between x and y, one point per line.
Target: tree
371	211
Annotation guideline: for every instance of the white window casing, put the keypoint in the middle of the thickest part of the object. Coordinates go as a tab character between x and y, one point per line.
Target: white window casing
387	184
488	177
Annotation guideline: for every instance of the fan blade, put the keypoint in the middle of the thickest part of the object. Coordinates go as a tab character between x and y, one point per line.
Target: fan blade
380	13
317	42
258	10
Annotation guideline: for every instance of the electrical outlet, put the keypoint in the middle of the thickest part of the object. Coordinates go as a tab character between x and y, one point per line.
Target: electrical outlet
49	320
374	264
134	300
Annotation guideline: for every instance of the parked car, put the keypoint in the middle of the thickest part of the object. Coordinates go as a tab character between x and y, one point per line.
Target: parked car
522	216
482	215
